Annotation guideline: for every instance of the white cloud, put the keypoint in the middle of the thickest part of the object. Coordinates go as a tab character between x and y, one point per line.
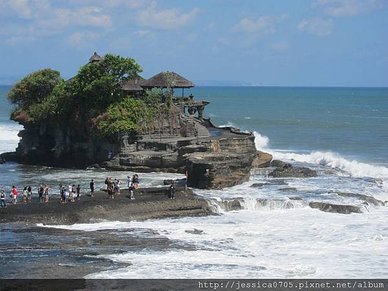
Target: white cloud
143	33
340	8
133	4
165	19
82	39
317	26
261	25
17	40
41	18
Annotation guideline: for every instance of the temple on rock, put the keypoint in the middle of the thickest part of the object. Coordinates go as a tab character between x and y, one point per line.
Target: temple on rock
178	138
187	106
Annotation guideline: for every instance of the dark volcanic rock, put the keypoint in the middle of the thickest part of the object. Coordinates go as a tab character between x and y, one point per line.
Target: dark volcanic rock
335	208
277	164
194	231
268	183
148	203
8	156
367	199
287	170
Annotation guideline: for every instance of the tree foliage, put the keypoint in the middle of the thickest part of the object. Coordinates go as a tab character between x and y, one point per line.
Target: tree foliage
92	97
34	88
98	84
154	96
129	115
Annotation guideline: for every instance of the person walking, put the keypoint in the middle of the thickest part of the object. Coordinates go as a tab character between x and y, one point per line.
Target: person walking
46	193
25	193
129	180
78	189
29	194
40	193
92	187
2	199
135	181
171	193
14	193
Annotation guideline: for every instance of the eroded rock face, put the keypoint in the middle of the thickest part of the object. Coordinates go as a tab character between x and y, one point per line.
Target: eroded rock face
227	163
58	146
262	160
210	161
335	208
288	170
369	200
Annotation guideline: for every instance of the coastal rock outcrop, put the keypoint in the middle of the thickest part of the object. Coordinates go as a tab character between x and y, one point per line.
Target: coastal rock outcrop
369	200
287	170
262	160
149	203
55	145
227	162
335	208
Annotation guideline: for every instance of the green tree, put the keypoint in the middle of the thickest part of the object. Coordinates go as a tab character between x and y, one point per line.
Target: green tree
30	92
55	107
98	84
154	96
129	115
34	88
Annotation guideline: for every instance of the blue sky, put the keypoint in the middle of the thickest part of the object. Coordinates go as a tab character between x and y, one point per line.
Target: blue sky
257	42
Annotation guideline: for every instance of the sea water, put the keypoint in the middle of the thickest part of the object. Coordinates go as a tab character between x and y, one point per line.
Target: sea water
342	133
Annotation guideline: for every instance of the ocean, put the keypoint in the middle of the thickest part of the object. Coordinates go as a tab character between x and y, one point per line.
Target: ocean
342	133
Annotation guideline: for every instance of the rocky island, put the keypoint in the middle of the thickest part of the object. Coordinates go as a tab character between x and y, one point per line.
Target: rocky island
109	116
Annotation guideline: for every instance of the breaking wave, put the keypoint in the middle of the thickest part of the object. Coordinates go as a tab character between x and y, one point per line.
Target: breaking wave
261	141
328	159
9	136
336	161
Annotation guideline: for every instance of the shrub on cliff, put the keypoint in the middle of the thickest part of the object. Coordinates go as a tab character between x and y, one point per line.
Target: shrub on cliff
34	88
98	85
92	97
128	115
31	91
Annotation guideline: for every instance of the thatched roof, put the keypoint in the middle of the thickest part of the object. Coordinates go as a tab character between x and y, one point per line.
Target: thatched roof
167	79
95	58
133	85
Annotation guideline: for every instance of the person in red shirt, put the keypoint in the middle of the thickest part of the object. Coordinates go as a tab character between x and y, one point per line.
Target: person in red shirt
14	193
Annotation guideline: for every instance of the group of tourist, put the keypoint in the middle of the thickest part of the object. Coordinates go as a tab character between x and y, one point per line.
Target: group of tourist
68	193
43	193
113	186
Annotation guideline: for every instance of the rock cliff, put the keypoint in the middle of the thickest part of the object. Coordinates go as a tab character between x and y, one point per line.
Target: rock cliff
55	145
212	158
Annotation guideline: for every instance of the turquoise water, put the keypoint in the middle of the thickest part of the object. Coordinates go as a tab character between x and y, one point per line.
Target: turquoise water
350	121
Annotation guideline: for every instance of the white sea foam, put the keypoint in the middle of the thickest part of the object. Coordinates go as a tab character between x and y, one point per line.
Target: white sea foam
328	159
9	136
228	124
336	161
300	242
261	141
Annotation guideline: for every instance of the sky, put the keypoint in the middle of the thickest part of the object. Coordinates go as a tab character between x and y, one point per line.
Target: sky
235	42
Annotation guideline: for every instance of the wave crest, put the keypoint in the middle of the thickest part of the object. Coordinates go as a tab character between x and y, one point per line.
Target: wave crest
261	141
336	161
